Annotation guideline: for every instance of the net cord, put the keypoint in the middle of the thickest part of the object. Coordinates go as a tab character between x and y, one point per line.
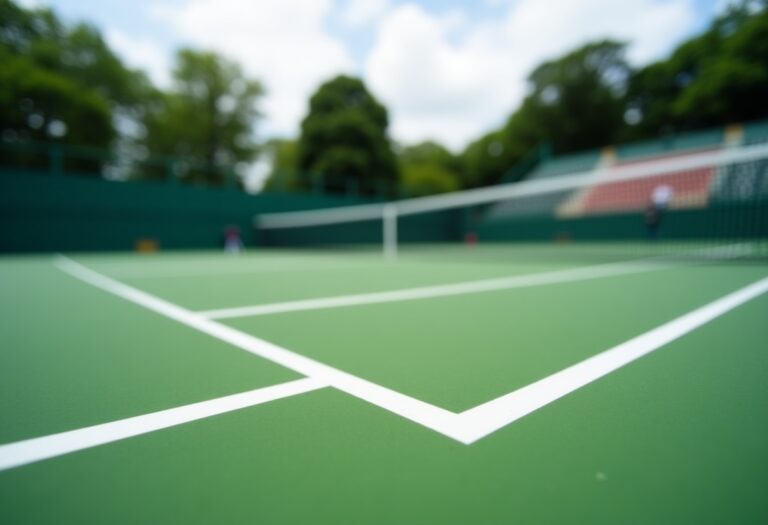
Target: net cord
389	212
602	175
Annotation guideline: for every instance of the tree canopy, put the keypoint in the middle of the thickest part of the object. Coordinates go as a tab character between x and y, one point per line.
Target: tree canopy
718	77
39	105
208	116
428	168
590	97
60	82
574	102
344	140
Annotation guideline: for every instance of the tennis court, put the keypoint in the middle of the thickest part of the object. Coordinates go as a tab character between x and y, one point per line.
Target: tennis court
496	383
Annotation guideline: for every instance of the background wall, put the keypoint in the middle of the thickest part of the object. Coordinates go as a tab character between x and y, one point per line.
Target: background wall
46	213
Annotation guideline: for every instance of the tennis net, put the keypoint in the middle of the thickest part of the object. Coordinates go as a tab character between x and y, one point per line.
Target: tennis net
714	197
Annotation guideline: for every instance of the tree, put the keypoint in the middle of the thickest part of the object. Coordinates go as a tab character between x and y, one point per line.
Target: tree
61	82
429	152
575	102
344	140
40	106
717	77
486	160
86	57
428	168
77	52
425	178
590	97
207	117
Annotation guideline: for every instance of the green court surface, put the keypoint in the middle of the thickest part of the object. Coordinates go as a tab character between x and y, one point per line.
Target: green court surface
490	384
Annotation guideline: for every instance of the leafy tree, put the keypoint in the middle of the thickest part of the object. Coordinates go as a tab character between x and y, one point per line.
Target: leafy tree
426	178
428	168
717	77
208	116
45	93
575	102
590	97
487	159
32	32
344	139
61	82
86	57
77	52
39	105
429	152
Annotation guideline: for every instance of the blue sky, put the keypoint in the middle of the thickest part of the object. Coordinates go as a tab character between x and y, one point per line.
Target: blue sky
447	70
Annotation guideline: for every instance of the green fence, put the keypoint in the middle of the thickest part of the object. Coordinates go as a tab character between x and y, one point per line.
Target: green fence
65	213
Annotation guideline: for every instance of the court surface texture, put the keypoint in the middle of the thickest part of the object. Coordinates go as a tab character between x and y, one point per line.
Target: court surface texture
488	384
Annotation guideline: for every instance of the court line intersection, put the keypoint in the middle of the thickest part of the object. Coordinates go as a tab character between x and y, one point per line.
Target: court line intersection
465	427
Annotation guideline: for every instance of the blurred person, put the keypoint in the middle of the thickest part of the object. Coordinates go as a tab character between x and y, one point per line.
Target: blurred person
657	205
232	240
652	220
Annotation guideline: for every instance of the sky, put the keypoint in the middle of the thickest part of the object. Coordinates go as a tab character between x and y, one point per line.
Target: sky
446	70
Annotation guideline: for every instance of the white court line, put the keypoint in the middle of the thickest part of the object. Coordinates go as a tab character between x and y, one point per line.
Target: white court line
403	405
493	415
37	449
442	290
470	425
170	273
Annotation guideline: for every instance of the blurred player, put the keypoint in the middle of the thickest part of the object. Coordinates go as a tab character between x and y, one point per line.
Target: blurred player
658	204
232	241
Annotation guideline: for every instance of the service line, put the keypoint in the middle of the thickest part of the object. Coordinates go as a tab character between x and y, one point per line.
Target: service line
466	427
443	290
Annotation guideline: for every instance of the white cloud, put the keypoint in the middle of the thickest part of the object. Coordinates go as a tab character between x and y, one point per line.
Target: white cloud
454	89
436	89
651	26
359	13
283	43
141	53
443	74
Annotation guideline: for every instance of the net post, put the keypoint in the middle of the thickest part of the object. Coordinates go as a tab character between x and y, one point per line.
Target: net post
389	225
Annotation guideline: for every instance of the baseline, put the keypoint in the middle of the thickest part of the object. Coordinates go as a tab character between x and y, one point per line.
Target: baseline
170	273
